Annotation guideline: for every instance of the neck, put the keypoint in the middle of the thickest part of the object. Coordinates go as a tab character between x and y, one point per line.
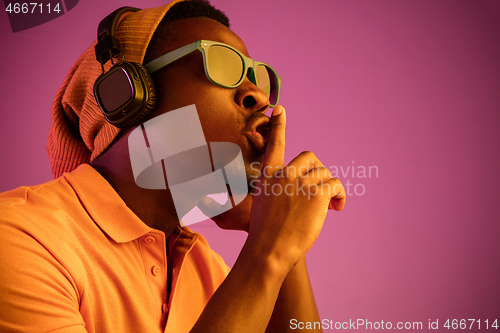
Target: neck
154	207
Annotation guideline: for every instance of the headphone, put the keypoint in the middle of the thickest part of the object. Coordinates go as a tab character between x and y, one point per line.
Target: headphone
126	93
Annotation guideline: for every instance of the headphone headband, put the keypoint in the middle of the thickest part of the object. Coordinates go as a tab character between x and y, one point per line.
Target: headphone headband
108	45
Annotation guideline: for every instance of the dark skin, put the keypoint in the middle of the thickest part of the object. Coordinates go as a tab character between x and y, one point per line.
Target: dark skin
268	284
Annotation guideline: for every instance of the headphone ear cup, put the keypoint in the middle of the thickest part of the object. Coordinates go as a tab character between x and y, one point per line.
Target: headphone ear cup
149	104
126	94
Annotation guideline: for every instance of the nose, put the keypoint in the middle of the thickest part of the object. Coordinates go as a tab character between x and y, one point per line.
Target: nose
251	97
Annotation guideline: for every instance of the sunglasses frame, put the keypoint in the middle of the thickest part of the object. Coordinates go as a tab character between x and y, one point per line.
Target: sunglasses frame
203	46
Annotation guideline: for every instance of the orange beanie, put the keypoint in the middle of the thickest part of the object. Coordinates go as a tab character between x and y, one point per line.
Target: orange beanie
79	132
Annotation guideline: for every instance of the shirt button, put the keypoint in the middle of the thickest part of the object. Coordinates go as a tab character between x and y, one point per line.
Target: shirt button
165	308
149	239
155	270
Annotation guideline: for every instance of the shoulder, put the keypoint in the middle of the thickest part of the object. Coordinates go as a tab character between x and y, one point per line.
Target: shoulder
47	227
38	211
34	221
32	258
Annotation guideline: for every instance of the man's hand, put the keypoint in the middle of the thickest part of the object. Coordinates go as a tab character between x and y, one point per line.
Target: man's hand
288	210
290	203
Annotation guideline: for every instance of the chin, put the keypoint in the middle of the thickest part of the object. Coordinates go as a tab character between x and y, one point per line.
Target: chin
237	218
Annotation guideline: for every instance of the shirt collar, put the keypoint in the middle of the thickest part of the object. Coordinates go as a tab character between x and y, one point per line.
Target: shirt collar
105	206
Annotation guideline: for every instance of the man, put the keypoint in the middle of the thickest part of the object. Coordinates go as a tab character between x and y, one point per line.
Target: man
93	252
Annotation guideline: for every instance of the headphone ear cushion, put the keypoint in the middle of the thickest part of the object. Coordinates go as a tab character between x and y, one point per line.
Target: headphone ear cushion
149	104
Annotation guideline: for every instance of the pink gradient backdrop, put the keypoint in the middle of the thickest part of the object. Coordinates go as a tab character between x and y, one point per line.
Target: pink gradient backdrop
412	87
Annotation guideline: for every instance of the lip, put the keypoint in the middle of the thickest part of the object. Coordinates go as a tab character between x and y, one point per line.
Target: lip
257	131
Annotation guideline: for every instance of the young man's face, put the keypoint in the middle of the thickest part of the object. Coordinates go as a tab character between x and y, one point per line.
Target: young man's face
227	115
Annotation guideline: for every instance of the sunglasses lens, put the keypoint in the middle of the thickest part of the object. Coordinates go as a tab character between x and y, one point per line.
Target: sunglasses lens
267	82
224	65
263	80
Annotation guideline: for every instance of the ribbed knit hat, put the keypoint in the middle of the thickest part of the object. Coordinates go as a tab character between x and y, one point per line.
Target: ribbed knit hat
79	132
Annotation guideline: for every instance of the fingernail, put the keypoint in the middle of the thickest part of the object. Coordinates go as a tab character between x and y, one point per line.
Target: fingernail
277	111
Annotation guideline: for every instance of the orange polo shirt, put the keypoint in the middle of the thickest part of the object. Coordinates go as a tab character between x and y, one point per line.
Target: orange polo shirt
75	258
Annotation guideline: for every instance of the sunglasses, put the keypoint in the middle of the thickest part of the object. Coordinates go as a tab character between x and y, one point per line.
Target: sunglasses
226	67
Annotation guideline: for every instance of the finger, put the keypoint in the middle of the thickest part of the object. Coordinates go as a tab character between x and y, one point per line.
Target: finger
274	157
337	194
337	204
317	175
303	164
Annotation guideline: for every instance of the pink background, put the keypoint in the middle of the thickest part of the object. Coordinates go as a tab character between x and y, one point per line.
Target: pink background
411	87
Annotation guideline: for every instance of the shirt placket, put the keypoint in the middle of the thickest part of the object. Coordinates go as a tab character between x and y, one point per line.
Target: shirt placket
153	252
